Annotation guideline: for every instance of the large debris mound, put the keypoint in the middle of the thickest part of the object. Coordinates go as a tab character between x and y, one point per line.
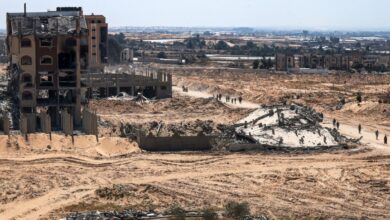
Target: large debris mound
287	126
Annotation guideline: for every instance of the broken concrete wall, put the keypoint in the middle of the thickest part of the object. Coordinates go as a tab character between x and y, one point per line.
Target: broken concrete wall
45	122
175	143
90	122
5	124
66	123
28	123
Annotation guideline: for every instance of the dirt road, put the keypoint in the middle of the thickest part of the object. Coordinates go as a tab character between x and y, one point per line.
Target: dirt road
338	185
203	94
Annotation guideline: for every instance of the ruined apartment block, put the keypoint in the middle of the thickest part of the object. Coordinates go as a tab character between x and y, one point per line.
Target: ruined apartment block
57	59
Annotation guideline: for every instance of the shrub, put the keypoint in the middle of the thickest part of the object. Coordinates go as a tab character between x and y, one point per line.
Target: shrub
209	214
237	210
177	212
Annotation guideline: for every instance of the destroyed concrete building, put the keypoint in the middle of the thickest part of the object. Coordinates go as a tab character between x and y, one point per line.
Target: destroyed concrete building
127	55
57	59
285	126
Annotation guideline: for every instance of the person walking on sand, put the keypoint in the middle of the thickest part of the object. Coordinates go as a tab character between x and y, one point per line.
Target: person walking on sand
334	122
360	128
385	140
338	125
377	134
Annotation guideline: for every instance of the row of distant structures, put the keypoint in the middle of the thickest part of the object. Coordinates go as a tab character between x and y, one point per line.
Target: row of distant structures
57	61
344	61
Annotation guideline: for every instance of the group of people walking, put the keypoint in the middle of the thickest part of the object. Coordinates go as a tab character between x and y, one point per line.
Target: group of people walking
336	124
228	99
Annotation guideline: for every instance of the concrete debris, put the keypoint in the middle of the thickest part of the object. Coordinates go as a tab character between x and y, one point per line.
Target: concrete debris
287	126
123	96
156	128
115	192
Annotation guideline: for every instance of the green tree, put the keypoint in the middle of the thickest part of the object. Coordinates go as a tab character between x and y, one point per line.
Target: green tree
221	45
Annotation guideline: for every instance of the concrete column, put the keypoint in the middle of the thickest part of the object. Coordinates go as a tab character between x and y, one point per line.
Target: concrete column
77	111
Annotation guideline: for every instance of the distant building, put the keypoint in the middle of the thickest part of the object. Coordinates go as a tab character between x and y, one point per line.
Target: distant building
127	55
98	41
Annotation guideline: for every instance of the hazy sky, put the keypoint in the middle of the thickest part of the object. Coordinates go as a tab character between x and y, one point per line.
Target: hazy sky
291	14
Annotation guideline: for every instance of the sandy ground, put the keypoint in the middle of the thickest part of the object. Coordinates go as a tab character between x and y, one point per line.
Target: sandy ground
341	185
42	183
83	145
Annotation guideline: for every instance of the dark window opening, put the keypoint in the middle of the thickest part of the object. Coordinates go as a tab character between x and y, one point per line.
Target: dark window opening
94	30
67	60
93	38
46	42
46	60
25	43
26	95
27	78
163	88
46	81
26	60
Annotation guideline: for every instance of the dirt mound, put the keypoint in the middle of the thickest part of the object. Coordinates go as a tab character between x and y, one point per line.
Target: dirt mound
86	145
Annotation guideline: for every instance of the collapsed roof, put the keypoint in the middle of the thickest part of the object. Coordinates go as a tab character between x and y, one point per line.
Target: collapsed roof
46	23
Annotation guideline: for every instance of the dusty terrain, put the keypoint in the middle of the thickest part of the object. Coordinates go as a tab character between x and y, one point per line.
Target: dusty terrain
45	183
320	92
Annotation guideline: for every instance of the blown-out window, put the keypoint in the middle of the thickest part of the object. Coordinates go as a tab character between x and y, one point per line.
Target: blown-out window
27	95
26	60
25	42
46	42
46	60
26	77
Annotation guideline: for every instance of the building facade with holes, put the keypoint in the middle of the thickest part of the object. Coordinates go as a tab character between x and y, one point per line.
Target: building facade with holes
48	52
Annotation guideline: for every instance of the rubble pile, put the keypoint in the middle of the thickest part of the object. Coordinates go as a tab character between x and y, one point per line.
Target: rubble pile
287	126
191	128
115	192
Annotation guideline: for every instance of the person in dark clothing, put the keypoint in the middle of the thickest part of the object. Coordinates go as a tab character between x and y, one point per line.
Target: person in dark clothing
360	128
377	134
385	139
338	125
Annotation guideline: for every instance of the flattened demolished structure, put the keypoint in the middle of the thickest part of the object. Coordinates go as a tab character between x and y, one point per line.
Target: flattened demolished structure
286	126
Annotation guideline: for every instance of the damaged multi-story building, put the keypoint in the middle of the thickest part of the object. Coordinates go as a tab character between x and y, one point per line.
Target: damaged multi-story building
57	59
